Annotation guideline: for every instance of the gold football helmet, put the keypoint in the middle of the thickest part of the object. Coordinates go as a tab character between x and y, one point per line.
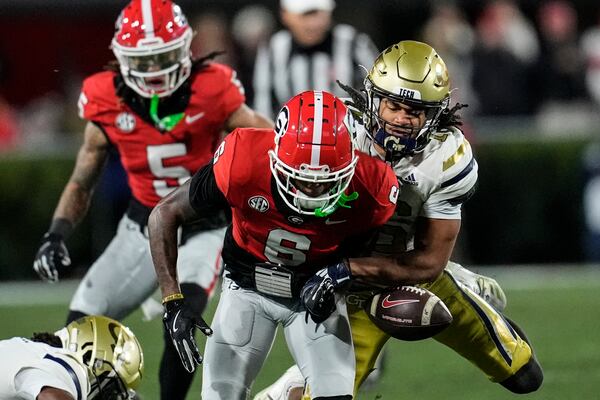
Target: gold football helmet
410	73
111	353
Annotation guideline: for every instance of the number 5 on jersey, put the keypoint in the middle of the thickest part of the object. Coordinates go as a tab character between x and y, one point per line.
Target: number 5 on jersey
156	157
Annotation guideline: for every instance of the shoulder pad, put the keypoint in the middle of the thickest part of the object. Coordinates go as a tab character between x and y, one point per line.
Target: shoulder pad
457	159
98	96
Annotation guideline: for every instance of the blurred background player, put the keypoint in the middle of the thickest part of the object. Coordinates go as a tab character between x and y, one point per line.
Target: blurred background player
164	113
299	195
94	358
310	54
409	123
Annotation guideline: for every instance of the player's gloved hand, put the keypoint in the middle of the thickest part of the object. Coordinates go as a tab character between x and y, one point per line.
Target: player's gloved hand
318	294
180	323
51	256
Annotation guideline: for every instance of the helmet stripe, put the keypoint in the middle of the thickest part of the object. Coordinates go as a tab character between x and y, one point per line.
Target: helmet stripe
315	157
148	20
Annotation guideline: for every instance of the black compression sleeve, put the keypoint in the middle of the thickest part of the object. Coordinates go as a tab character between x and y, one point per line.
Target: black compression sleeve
205	195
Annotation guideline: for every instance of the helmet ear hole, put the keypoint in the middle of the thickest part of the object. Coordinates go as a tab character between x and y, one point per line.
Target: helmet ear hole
87	357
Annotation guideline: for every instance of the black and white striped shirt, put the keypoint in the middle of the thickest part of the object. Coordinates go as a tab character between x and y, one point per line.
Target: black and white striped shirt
284	69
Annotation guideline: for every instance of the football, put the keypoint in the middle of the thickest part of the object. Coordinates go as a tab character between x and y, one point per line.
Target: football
408	313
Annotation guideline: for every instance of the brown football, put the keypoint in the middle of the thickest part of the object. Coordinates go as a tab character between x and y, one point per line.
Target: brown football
408	313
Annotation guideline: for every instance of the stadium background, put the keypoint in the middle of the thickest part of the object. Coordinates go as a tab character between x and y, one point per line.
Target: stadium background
534	205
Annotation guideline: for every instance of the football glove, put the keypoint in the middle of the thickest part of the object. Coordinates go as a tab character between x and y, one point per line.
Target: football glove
318	294
180	322
51	256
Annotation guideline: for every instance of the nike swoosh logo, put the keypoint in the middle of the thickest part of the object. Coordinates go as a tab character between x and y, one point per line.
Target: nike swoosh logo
330	222
387	303
175	321
190	119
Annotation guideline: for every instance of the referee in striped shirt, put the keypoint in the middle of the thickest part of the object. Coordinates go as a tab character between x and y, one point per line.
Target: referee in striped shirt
309	55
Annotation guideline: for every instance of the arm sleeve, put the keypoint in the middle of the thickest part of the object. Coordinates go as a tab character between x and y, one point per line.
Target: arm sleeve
457	185
205	195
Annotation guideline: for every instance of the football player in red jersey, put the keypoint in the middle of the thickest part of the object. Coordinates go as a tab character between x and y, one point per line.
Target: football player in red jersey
300	197
165	114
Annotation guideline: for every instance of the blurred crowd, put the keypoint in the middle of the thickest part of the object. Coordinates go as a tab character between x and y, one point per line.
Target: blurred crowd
543	70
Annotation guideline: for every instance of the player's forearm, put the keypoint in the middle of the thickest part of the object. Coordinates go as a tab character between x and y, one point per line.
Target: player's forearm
73	205
409	268
162	229
76	197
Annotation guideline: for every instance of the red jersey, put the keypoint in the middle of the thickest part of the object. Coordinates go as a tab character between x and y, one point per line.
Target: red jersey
263	227
155	161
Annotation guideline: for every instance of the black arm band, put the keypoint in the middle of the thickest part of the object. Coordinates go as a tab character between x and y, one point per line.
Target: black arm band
61	226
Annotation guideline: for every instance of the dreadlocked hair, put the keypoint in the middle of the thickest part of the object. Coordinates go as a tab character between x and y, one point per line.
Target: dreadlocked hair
450	118
46	337
112	65
358	97
202	62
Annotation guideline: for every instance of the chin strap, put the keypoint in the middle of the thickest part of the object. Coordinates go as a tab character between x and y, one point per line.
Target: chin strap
166	123
341	202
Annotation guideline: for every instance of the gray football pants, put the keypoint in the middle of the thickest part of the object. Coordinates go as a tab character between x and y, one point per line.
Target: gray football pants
123	276
244	327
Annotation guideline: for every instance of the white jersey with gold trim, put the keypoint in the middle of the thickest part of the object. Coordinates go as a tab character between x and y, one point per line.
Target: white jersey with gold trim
434	183
28	366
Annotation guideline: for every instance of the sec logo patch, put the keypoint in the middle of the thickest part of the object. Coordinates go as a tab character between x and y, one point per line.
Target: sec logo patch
125	122
259	203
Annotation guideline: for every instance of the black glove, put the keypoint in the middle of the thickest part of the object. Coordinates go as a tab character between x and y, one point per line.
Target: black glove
318	293
51	256
180	322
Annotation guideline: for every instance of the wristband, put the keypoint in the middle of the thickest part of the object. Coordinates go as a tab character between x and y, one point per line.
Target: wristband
171	297
61	226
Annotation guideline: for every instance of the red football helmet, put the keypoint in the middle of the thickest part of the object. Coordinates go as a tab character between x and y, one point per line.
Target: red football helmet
314	156
152	44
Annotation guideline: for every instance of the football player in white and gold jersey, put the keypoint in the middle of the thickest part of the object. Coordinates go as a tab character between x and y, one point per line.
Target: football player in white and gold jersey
94	358
407	121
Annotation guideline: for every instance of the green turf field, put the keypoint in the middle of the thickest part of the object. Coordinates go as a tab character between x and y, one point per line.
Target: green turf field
559	308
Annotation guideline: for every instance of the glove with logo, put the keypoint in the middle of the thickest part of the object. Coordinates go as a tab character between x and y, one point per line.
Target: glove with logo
180	322
318	293
51	256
